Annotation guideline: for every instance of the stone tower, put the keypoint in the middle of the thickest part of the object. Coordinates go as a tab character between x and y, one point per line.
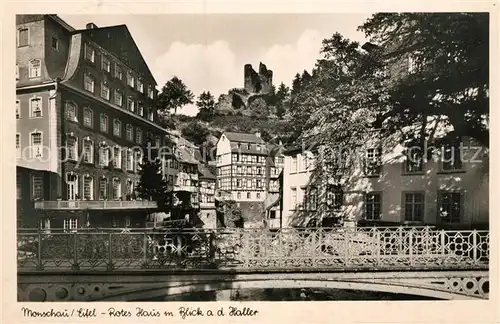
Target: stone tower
257	82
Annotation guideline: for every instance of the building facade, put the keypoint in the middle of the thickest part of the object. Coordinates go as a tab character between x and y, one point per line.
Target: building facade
180	169
208	213
386	187
85	107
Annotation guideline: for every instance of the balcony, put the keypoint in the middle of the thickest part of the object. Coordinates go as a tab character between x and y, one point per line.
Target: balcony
185	188
95	204
207	205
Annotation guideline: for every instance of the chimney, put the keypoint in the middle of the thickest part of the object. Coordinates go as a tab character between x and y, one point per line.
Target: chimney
91	25
257	134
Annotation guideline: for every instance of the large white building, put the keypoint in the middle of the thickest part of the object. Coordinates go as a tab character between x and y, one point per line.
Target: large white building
383	186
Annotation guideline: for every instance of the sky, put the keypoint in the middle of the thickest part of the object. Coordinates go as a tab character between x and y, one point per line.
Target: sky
208	52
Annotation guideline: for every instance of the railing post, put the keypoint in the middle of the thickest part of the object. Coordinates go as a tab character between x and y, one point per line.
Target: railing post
39	256
443	249
110	251
75	252
474	248
400	241
145	248
378	246
346	247
410	246
211	248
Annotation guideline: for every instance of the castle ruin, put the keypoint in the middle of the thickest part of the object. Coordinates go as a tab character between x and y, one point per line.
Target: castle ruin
258	82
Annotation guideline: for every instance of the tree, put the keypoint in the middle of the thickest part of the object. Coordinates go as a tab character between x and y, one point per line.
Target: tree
174	95
230	214
151	185
296	84
206	106
281	95
450	55
195	132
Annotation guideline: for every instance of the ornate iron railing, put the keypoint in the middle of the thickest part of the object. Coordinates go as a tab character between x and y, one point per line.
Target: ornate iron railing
300	249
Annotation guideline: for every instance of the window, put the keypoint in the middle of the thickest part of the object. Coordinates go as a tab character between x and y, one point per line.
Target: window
118	72
88	117
138	135
414	160
413	206
239	170
140	85
118	97
373	209
140	109
294	198
88	82
150	92
238	183
70	223
106	64
450	207
129	132
130	104
249	195
373	161
272	214
238	195
130	79
36	145
334	198
23	37
18	145
104	153
35	69
452	156
117	157
18	109
104	91
258	195
127	220
103	189
37	181
72	148
71	111
117	127
89	53
259	184
88	187
130	160
55	43
36	107
150	115
117	189
104	123
88	150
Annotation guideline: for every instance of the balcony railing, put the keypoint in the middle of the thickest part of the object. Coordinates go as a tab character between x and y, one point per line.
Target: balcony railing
185	188
95	204
207	205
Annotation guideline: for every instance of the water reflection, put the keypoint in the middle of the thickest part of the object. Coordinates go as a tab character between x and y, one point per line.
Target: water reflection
287	295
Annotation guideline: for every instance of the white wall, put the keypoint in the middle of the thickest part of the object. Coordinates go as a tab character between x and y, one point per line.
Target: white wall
472	181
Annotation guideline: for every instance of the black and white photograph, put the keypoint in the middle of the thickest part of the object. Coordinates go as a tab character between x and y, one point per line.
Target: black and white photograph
252	157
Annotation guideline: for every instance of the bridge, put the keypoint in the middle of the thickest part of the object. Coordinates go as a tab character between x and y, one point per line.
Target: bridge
126	264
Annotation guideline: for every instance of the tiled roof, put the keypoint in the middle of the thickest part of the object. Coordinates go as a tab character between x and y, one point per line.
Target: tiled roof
244	137
185	156
205	172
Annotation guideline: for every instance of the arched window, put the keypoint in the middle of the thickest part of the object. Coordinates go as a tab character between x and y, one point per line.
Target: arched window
117	189
36	107
103	189
35	69
88	150
88	187
71	111
72	147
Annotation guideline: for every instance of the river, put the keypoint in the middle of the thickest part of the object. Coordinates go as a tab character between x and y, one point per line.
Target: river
287	295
